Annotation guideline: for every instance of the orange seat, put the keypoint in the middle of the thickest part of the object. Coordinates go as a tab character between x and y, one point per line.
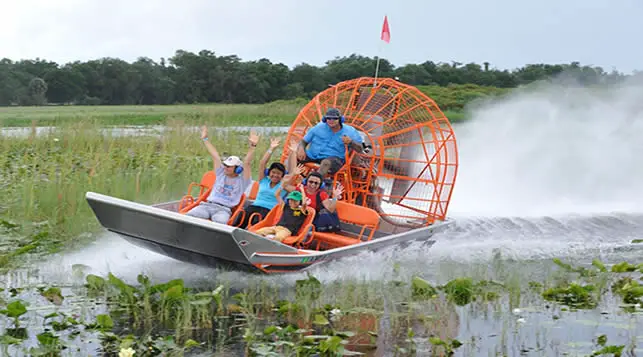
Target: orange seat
272	218
188	201
205	187
254	190
350	213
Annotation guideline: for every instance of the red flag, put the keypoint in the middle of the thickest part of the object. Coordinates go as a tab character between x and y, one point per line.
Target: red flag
386	33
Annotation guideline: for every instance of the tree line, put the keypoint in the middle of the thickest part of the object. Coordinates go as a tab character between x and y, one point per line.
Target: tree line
204	77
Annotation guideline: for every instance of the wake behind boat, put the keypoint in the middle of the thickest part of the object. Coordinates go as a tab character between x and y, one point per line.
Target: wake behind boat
396	191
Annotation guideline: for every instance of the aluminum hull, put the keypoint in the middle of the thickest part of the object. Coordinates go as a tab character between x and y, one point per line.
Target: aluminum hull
161	229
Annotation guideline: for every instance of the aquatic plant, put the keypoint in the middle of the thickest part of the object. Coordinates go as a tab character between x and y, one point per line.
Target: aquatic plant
44	179
403	317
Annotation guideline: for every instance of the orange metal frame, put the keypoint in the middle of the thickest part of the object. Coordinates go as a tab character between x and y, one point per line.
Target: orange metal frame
407	132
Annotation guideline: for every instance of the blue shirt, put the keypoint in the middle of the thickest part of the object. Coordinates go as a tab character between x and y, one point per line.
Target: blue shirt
266	194
325	143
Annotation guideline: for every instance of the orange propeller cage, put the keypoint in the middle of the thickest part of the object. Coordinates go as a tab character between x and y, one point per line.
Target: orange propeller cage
409	173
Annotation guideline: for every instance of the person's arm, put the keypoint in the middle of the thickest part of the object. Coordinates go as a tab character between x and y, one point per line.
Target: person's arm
253	138
274	142
292	157
290	181
303	200
278	196
354	141
211	149
331	203
307	139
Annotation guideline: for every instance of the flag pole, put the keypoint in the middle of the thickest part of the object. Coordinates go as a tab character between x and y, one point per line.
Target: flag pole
377	68
386	37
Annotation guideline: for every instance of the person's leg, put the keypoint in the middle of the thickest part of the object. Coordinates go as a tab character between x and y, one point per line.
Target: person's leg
265	231
281	233
309	159
263	211
245	223
220	214
330	165
200	211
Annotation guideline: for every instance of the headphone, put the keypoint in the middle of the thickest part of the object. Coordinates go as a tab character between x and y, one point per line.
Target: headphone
274	165
321	186
237	169
341	119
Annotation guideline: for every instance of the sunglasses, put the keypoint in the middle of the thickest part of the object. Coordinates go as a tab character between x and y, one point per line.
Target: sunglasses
314	183
331	118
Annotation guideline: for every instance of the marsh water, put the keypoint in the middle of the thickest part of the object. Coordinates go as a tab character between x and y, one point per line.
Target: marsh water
132	130
533	185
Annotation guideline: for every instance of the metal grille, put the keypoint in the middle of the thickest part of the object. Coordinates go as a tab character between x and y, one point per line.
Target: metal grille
409	173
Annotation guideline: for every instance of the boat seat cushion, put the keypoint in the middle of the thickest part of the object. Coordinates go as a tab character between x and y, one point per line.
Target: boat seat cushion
361	216
335	239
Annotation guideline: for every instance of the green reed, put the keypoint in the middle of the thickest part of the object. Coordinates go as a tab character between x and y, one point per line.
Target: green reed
44	178
280	112
404	317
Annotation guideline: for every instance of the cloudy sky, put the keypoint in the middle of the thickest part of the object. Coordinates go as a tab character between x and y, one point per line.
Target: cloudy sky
506	33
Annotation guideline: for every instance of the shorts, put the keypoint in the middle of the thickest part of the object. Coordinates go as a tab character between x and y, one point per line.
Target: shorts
336	163
212	211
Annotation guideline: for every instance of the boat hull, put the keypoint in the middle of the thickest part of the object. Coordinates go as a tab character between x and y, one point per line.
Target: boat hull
206	243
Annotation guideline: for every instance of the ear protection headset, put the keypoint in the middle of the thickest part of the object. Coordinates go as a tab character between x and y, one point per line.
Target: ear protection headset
341	119
274	166
238	169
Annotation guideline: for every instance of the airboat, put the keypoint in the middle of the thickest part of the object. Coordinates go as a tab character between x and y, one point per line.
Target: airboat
396	192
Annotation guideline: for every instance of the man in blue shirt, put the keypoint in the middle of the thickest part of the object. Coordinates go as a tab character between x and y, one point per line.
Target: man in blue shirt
327	140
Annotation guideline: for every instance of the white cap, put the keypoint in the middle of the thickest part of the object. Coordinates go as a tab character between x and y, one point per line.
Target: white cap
233	161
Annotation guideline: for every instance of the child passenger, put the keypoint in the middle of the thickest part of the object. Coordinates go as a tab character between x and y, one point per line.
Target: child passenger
292	217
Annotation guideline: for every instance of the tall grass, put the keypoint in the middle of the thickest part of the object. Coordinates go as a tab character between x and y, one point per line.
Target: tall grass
44	178
279	113
271	114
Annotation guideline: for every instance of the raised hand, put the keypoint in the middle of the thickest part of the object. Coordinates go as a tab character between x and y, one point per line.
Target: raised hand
293	145
337	192
300	169
274	142
253	138
204	132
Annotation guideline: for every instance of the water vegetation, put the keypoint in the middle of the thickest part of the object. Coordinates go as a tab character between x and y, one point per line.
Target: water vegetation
277	113
400	317
498	309
44	178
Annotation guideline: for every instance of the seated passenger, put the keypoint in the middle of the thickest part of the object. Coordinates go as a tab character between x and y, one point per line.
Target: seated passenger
327	140
292	217
326	219
229	185
269	182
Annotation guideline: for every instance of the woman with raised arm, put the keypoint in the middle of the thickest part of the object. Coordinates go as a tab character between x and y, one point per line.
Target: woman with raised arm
269	182
233	178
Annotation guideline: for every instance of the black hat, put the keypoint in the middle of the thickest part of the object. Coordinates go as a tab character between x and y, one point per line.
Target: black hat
333	113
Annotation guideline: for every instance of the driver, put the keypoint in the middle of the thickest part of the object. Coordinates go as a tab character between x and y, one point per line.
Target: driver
325	142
